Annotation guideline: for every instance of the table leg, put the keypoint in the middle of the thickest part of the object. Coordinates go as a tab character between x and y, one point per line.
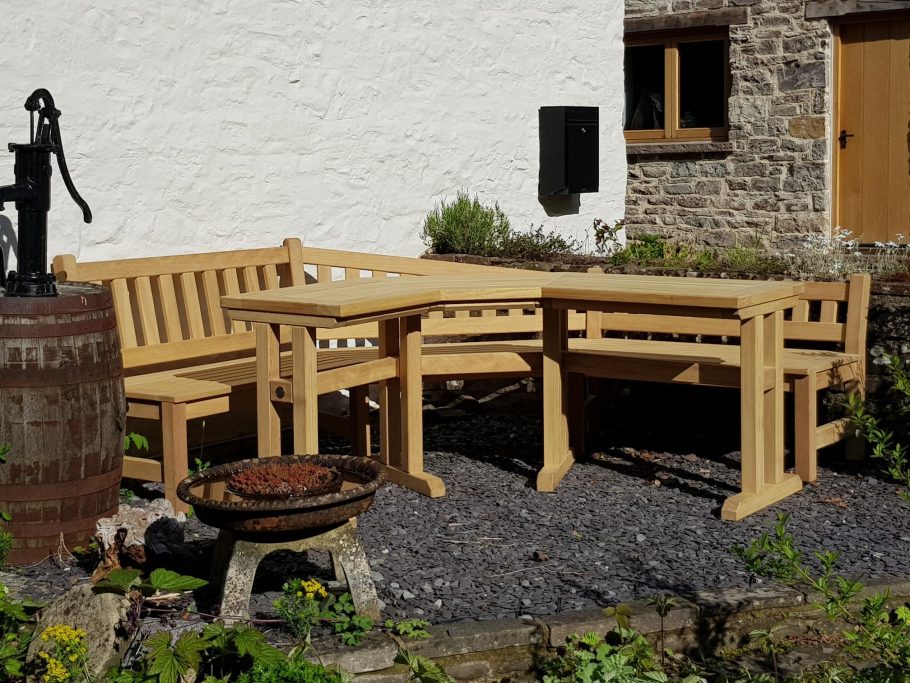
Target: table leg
403	410
389	397
268	423
306	395
761	410
557	457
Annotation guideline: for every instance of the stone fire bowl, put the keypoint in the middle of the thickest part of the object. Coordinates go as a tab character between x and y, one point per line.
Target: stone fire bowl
246	517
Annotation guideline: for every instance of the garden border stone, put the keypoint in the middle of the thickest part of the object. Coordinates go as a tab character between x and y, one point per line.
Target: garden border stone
493	650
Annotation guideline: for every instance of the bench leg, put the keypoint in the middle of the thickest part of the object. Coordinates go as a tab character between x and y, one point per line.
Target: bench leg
805	398
360	421
175	457
578	394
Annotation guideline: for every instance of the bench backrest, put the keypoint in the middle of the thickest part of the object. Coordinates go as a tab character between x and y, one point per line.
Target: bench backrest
828	314
169	313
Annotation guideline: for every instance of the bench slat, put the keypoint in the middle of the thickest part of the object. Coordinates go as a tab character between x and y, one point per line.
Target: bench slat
169	308
801	311
323	273
232	286
124	312
270	276
148	321
191	305
213	302
828	312
251	279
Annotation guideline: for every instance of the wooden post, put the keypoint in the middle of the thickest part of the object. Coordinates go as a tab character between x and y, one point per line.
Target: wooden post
389	397
174	455
774	398
306	395
268	423
557	458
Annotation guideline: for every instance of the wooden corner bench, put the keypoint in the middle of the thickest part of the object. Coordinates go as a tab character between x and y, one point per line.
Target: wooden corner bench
824	347
183	357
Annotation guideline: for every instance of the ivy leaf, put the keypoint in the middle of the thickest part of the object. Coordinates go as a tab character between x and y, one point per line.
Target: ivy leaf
167	581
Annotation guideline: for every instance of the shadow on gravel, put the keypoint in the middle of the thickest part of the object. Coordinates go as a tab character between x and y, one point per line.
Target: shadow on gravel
677	478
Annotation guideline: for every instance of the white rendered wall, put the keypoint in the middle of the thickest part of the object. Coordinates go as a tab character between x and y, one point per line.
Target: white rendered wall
246	121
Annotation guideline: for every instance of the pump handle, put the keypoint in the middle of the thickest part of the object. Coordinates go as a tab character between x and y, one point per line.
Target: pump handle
49	133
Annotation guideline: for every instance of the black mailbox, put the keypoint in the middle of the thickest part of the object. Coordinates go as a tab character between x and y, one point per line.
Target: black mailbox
569	150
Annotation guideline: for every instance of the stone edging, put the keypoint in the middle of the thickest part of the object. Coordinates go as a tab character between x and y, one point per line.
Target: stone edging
489	650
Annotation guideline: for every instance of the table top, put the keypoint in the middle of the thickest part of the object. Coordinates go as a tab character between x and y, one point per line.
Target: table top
348	300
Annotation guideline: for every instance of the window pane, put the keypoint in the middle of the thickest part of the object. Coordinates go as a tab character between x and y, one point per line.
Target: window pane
702	96
644	87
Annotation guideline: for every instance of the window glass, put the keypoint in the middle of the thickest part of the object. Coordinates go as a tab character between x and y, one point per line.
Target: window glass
644	71
702	67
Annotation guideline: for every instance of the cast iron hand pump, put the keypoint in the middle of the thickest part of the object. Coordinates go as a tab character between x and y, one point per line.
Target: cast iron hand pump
32	194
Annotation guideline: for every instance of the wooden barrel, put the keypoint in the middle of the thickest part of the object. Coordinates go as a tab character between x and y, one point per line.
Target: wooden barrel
62	413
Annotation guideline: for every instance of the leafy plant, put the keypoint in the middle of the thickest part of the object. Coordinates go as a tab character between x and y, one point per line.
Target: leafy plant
885	445
134	440
198	466
606	236
15	616
410	629
218	653
624	656
663	603
465	226
159	582
292	670
422	669
350	626
876	631
304	604
66	659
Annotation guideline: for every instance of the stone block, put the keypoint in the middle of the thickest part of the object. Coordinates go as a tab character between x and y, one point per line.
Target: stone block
710	186
654	170
714	169
692	202
477	636
683	169
565	624
679	188
101	615
376	651
764	184
808	127
749	169
801	75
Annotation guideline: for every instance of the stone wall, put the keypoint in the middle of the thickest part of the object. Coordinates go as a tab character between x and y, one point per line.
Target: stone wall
770	183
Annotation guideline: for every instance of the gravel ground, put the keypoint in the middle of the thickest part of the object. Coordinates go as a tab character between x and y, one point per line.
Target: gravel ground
624	524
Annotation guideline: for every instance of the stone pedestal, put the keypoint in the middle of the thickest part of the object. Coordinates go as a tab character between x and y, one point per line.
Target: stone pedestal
236	560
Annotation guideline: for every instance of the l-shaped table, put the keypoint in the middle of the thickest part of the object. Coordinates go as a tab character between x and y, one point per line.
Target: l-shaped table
398	304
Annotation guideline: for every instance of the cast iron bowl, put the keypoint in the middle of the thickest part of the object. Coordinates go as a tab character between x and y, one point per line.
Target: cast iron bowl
250	517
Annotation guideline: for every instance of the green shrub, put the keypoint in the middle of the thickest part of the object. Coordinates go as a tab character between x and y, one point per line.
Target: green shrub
536	245
293	670
465	226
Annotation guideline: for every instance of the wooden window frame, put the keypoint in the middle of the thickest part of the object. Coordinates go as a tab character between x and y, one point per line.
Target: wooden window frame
672	130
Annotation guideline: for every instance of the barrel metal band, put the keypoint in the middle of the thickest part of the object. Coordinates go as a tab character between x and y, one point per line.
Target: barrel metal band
48	377
59	490
65	329
52	530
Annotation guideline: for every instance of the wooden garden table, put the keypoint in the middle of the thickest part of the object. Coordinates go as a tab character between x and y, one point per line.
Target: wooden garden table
398	304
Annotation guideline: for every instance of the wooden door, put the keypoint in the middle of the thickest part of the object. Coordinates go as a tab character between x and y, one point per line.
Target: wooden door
872	131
